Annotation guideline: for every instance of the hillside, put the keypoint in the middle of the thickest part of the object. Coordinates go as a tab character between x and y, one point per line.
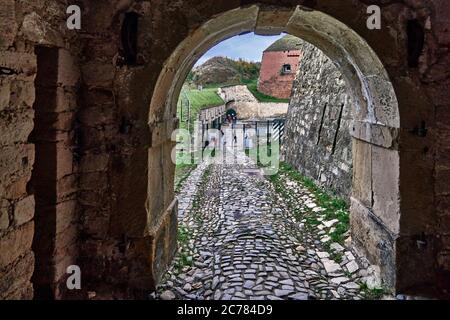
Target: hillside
225	71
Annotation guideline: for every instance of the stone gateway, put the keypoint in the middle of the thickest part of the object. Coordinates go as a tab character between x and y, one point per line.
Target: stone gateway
86	119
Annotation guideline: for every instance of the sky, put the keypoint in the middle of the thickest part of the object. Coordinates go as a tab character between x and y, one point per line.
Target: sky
248	47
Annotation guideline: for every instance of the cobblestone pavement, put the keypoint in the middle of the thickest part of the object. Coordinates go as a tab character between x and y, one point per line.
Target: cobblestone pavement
238	240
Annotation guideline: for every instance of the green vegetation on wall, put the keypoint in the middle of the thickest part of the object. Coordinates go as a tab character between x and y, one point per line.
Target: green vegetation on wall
198	99
253	87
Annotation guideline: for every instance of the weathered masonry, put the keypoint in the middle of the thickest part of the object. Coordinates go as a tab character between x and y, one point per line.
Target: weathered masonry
318	141
104	148
40	158
241	100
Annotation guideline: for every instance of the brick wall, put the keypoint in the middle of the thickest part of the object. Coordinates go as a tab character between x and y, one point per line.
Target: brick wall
271	80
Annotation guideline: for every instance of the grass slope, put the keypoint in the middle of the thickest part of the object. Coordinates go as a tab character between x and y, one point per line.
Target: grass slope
198	99
253	87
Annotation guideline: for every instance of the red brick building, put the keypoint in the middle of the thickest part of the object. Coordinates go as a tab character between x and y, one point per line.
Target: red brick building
278	67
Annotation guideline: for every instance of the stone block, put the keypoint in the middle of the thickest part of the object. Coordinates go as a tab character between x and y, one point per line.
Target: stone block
272	22
92	135
362	172
141	268
169	170
418	102
93	180
155	204
438	94
98	75
444	260
5	93
66	100
8	23
416	262
53	127
384	100
15	280
160	257
55	161
443	204
66	187
56	100
96	223
131	208
15	126
68	71
385	187
440	21
65	242
161	132
92	162
24	292
373	240
93	198
172	231
22	94
4	215
68	258
97	116
66	215
15	164
442	185
16	243
17	188
24	210
15	170
443	158
37	30
375	134
22	63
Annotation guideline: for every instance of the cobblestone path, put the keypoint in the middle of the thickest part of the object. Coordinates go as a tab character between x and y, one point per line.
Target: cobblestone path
238	240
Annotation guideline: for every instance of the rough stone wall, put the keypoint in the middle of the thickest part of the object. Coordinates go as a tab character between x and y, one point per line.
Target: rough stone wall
317	133
56	164
247	106
126	184
436	79
271	81
27	26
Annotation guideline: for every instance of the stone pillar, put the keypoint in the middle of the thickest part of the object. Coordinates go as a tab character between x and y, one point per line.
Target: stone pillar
375	211
54	179
161	202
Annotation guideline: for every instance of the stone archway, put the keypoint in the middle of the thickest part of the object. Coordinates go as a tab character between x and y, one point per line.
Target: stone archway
113	152
375	209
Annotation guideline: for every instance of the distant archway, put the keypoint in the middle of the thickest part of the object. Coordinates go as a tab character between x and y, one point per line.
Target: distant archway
231	112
